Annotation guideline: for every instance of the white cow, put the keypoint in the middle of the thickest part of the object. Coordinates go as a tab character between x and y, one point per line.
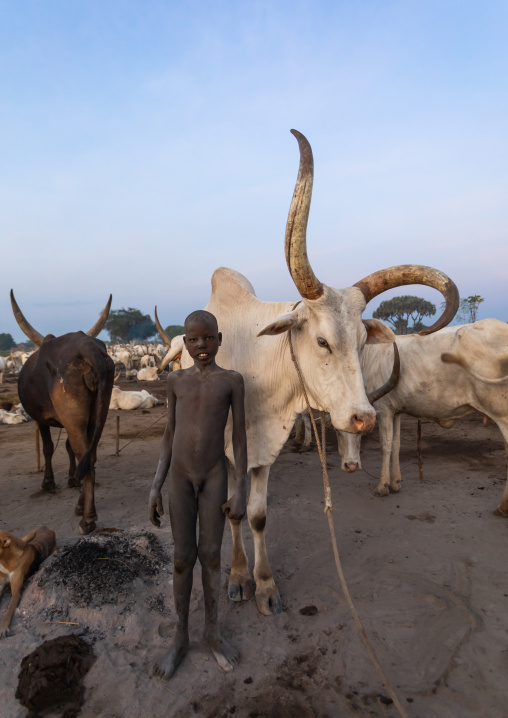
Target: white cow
2	369
444	377
10	417
328	336
128	400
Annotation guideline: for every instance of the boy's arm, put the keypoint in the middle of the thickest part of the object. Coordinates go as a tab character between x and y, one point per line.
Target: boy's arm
235	507
155	507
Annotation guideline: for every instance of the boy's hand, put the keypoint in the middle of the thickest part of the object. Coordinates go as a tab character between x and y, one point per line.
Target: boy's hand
155	507
236	506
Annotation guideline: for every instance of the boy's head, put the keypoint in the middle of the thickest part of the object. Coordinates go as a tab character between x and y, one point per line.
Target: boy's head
202	338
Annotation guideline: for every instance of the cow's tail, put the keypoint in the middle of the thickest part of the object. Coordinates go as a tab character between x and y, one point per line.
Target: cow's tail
99	380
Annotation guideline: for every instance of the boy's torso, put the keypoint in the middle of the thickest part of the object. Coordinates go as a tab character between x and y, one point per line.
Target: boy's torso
202	407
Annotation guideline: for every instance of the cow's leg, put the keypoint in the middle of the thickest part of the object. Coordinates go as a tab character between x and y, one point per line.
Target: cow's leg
72	466
502	509
48	482
267	594
396	475
385	439
241	586
86	503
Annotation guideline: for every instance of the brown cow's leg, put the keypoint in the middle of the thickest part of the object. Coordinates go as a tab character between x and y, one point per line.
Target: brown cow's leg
85	506
72	482
48	482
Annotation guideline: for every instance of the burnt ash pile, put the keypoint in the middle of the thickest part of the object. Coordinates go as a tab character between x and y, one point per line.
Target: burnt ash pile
95	570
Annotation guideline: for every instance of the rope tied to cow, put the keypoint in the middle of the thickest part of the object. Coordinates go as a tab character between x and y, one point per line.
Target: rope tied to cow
321	447
141	433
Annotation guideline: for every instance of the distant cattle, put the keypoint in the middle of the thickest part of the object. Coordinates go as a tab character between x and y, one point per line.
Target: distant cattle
67	383
128	400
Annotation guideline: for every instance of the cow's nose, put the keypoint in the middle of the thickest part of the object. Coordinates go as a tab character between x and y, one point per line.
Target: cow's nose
363	422
351	466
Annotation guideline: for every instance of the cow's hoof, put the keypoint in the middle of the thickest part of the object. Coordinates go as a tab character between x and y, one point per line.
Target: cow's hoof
270	606
383	491
243	590
73	483
85	527
395	489
499	512
49	486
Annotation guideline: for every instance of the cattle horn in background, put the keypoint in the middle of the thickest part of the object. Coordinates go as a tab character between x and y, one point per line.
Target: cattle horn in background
37	338
402	274
25	326
298	263
173	350
165	338
101	321
392	381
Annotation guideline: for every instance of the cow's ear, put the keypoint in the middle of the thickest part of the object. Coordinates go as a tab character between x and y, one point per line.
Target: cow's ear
377	332
282	324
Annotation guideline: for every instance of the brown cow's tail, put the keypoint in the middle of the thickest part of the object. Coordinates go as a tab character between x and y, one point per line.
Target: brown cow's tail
99	380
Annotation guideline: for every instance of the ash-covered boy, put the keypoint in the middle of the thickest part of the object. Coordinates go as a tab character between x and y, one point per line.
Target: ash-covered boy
199	400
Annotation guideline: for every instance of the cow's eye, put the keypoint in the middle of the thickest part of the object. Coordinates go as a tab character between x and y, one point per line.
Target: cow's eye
323	343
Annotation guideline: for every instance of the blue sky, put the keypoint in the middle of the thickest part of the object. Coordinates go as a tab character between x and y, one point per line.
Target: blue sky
144	144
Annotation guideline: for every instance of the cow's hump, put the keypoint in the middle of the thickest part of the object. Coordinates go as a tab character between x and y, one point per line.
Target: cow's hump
231	287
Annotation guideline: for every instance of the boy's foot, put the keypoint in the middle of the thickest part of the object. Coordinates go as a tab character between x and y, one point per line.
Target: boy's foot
226	656
167	665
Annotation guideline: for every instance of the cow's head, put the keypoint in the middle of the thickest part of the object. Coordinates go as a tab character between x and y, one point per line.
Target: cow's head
349	450
327	330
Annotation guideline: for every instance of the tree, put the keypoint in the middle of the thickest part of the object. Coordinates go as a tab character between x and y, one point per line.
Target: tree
126	324
174	330
468	309
399	310
6	341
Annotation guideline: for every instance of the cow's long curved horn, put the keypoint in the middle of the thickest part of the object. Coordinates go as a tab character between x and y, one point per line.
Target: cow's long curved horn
165	338
101	321
298	263
403	274
25	326
392	381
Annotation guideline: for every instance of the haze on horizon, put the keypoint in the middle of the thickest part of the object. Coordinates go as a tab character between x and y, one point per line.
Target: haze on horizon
144	144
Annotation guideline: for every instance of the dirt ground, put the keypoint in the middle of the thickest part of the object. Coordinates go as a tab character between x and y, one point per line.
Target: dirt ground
425	569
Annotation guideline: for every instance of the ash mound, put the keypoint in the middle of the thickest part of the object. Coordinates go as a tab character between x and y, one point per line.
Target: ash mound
94	570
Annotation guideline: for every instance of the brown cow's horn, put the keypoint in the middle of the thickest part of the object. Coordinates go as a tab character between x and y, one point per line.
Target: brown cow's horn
403	274
392	381
101	321
165	338
296	228
27	328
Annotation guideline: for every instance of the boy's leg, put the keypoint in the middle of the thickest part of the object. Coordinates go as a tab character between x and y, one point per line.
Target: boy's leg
183	514
211	530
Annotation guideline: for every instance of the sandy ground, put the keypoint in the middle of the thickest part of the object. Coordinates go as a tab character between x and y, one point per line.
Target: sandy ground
425	569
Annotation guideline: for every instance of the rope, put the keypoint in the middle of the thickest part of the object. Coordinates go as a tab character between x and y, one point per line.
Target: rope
141	432
321	447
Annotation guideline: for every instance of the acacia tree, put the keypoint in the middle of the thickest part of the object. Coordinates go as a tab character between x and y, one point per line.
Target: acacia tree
126	324
174	330
399	310
6	341
467	312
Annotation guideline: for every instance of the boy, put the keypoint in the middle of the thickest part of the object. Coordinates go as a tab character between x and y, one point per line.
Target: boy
199	399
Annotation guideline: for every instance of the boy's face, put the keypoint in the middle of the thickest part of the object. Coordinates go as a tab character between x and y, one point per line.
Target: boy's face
202	341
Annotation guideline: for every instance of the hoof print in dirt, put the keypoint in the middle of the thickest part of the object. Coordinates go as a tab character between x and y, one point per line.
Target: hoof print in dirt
51	677
309	610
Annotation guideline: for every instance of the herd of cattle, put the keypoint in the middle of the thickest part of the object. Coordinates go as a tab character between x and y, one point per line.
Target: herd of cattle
347	364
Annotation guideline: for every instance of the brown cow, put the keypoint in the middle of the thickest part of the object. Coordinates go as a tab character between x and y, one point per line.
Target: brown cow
67	383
